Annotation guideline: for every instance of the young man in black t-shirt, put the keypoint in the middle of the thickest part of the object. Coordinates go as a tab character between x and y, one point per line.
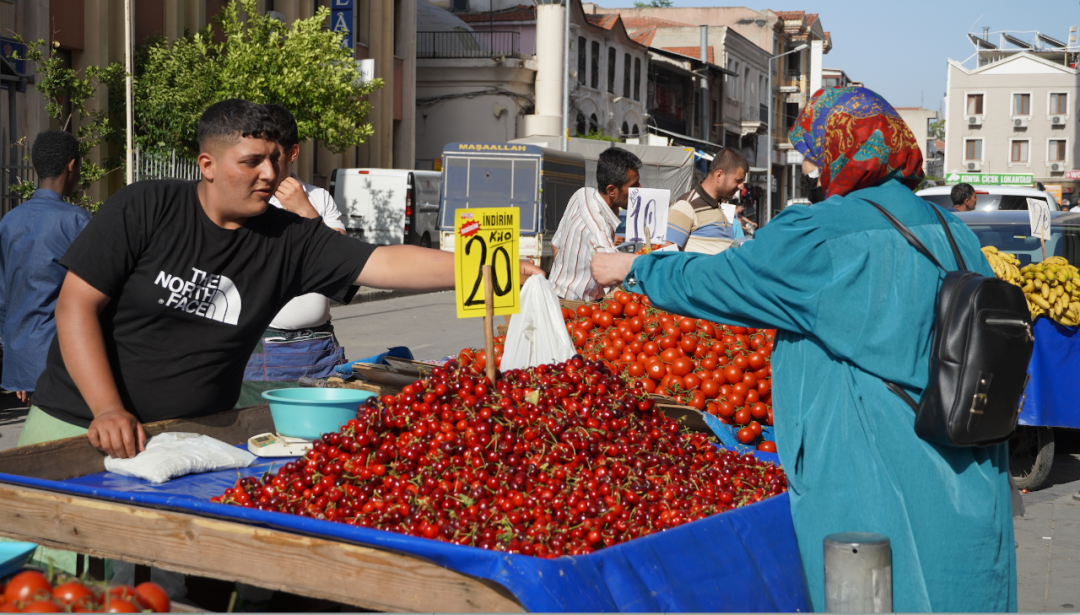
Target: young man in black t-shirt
172	284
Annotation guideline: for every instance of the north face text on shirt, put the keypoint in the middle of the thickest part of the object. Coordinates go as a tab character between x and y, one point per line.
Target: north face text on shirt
210	295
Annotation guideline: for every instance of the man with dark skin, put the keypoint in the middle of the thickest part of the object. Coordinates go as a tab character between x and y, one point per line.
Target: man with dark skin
32	238
242	252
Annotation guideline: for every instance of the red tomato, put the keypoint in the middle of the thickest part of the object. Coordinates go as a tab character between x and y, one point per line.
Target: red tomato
697	401
631	309
742	417
740	362
152	596
675	381
692	381
650	348
70	592
733	374
755	360
756	427
636	369
669	355
710	388
687	325
767	446
726	410
585	310
648	384
656	370
615	308
746	435
26	586
580	337
688	344
759	411
667	342
603	319
681	366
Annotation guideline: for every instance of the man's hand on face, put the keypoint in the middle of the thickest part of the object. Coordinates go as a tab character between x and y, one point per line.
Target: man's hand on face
528	269
117	433
292	197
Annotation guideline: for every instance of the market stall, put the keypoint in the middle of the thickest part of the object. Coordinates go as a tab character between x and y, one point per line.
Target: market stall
57	495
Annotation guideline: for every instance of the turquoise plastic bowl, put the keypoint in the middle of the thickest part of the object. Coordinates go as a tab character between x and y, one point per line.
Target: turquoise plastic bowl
310	412
13	556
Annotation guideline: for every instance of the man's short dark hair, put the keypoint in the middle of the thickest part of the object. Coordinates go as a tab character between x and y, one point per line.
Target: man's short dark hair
52	151
961	193
286	125
232	119
614	166
729	160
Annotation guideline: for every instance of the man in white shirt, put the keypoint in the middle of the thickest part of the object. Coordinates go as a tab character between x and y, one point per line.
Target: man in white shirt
589	224
300	341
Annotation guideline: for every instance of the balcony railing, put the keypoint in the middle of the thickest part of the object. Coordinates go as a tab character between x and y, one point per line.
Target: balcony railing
793	74
464	44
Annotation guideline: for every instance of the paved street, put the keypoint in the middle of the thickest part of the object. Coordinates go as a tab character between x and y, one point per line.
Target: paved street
1048	556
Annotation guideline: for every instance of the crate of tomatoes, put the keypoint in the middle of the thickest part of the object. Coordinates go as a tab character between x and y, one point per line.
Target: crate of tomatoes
719	369
31	591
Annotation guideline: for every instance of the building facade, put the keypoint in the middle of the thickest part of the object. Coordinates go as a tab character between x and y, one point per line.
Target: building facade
919	121
1015	112
91	32
496	75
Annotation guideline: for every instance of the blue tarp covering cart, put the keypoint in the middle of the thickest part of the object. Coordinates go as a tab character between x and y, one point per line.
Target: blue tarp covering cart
1052	397
742	560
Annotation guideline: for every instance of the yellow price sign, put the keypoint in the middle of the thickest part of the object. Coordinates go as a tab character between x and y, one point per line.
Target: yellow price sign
486	236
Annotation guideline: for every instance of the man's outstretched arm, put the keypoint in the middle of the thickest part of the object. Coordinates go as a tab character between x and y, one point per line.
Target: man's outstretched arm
403	267
113	430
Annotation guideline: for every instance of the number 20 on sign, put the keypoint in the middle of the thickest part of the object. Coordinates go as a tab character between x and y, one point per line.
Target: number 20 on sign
486	236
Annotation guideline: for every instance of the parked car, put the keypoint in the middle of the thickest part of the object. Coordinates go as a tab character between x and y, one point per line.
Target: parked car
991	198
388	206
1031	449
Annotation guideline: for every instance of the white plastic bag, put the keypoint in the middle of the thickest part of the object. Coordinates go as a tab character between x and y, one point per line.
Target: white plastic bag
169	455
538	334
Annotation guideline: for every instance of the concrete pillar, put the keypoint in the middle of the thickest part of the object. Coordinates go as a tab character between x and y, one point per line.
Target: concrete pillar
858	573
817	50
550	47
405	133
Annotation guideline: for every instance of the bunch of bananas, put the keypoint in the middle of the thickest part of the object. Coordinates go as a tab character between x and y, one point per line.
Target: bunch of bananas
1052	288
1006	266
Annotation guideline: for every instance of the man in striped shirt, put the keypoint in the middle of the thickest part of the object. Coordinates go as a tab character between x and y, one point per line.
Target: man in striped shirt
696	222
589	224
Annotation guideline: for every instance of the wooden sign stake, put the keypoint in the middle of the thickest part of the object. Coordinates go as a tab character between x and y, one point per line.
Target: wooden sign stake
648	242
1042	243
489	318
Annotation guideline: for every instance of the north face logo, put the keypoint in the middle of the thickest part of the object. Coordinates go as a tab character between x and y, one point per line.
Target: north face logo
209	295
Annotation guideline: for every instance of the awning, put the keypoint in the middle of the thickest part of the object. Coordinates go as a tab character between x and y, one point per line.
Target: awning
682	137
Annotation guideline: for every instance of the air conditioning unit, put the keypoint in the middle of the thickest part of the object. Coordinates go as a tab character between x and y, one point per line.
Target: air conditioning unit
1057	120
974	165
1056	166
974	120
1020	122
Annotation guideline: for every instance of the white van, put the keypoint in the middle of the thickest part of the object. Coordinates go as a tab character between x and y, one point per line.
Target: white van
388	206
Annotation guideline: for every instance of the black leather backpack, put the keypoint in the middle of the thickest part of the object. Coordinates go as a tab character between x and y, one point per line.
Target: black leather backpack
979	356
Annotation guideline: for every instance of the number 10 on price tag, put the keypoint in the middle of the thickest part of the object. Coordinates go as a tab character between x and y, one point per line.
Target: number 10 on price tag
487	236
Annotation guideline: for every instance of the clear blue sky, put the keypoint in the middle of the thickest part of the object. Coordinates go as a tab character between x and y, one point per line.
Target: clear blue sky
900	49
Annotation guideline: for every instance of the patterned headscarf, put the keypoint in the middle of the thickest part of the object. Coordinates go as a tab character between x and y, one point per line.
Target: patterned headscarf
857	140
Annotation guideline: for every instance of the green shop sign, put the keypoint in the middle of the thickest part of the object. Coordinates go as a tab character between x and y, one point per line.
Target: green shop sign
991	179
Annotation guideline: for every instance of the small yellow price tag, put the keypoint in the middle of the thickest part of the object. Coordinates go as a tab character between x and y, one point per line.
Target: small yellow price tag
487	236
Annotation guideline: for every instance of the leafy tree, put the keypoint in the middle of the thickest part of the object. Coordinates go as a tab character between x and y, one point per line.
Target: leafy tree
597	135
302	66
937	129
55	83
653	4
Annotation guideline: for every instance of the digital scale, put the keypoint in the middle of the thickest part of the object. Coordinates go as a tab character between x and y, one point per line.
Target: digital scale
274	445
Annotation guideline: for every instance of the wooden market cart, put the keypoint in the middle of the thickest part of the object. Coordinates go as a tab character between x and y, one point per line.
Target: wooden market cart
219	548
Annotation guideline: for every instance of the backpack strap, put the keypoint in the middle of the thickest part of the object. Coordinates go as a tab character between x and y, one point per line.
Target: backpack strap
952	242
909	236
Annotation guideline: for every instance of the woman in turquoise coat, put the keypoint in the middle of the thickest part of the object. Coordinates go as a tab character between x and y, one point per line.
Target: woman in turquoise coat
854	306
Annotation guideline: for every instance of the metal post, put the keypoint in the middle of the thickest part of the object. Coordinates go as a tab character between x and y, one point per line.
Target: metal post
858	573
705	83
768	151
564	138
129	126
